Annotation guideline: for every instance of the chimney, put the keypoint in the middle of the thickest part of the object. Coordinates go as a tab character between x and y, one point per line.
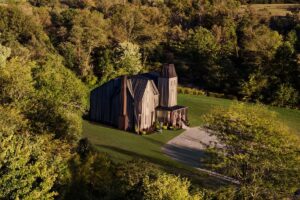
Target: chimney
123	118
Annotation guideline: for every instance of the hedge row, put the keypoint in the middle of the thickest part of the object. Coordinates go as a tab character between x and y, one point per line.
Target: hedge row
194	91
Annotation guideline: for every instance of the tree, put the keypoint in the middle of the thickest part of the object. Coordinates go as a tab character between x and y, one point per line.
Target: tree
16	81
259	46
218	12
254	88
129	58
78	34
22	33
93	176
142	25
286	96
139	179
257	149
166	186
60	100
4	54
203	48
29	165
212	62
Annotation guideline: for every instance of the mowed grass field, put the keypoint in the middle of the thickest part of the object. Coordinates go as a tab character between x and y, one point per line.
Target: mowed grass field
273	9
200	105
123	146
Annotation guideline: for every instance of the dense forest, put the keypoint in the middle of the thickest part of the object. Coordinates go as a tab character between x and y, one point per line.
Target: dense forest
214	46
52	53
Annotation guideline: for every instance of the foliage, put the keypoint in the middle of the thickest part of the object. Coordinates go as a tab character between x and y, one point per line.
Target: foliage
22	34
129	61
143	25
255	86
4	54
258	150
262	41
154	188
77	38
52	82
92	177
142	180
193	91
214	45
52	51
96	176
30	165
286	96
16	82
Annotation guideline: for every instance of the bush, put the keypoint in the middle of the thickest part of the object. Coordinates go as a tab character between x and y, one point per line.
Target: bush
286	96
143	132
164	127
214	94
165	186
93	177
191	91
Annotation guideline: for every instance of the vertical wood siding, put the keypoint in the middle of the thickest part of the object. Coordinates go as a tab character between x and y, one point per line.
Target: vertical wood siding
167	88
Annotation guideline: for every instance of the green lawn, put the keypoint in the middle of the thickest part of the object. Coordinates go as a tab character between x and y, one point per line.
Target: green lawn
124	146
273	9
199	105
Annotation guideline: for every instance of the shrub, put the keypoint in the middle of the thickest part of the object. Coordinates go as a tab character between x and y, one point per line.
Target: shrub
192	91
165	186
214	94
143	132
286	96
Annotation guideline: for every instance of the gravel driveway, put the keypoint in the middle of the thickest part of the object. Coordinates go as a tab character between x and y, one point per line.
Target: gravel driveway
188	148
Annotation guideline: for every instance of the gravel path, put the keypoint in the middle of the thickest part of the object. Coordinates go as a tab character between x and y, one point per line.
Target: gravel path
188	148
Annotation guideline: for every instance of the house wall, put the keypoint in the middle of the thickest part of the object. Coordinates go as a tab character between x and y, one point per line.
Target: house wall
149	103
105	104
168	91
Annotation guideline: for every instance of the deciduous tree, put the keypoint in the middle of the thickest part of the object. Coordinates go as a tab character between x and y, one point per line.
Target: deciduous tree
258	150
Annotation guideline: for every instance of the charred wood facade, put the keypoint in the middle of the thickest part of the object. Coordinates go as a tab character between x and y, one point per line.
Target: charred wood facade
136	103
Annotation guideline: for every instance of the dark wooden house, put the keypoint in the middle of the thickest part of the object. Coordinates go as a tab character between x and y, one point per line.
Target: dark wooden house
137	103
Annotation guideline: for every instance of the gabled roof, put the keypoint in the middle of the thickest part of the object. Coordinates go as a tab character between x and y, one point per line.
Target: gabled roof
136	85
152	76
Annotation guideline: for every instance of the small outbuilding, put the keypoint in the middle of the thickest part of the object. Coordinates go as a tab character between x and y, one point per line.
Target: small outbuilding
139	102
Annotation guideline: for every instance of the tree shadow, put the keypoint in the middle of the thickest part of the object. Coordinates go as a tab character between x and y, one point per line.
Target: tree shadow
195	176
183	154
109	126
156	142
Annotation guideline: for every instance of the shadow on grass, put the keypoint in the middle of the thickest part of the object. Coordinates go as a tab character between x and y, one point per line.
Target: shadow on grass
108	126
189	156
195	176
156	142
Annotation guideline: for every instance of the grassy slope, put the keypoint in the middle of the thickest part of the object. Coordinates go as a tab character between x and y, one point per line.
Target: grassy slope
123	146
199	105
273	9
